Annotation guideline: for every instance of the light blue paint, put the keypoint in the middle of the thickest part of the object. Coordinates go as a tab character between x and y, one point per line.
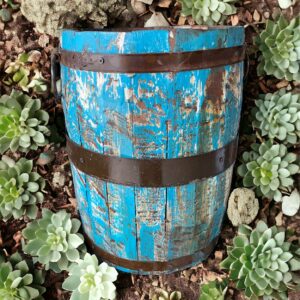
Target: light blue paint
165	115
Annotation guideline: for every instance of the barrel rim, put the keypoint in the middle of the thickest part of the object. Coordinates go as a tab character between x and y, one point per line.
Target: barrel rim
166	28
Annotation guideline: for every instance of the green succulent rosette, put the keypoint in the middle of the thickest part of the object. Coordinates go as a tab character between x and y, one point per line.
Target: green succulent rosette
262	262
20	189
23	124
54	240
268	168
279	45
19	279
278	116
89	280
213	290
208	12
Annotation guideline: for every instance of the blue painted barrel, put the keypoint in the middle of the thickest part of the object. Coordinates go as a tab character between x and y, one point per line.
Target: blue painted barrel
121	103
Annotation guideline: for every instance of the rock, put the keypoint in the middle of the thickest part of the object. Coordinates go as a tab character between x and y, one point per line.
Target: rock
138	7
291	203
58	180
242	206
45	158
157	20
52	15
5	15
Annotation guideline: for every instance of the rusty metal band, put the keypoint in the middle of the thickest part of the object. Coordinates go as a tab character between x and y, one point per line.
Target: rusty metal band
152	266
152	62
154	172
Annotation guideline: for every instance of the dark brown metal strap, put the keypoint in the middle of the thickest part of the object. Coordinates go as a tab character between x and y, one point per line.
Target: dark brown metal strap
152	266
152	172
152	62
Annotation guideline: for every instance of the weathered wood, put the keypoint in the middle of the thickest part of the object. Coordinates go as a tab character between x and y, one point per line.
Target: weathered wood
152	115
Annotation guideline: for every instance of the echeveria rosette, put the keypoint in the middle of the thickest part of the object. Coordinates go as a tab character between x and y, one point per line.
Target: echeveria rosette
89	280
20	189
279	44
278	116
262	262
23	124
54	240
213	290
268	168
208	12
19	279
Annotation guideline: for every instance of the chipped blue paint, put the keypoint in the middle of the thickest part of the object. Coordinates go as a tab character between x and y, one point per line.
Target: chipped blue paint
165	115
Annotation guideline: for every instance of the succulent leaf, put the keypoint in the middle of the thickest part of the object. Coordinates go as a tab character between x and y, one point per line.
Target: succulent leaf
22	123
269	169
279	46
20	189
19	279
89	280
54	240
265	262
208	12
278	116
213	290
161	294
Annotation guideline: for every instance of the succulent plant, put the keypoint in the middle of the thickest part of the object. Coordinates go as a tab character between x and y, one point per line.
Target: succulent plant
22	123
18	73
278	116
38	83
161	294
208	12
268	168
89	280
213	290
262	262
20	189
19	279
54	240
279	44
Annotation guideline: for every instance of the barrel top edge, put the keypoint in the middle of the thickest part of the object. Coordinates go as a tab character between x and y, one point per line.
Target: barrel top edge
165	28
152	40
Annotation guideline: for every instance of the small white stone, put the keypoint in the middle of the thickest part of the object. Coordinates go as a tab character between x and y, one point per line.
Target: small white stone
58	179
291	203
242	206
138	7
157	20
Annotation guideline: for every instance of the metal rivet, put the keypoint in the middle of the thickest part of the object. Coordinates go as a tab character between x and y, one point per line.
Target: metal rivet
221	159
101	60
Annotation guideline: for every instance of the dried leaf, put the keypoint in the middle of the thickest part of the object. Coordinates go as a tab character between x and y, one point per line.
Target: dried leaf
234	20
256	16
164	3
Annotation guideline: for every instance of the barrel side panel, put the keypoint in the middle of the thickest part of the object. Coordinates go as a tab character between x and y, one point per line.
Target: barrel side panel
205	118
150	105
183	140
113	114
105	128
69	101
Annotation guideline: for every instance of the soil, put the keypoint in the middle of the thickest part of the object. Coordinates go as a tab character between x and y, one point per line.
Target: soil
19	35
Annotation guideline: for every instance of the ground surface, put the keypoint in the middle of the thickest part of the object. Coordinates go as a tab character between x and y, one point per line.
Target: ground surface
18	36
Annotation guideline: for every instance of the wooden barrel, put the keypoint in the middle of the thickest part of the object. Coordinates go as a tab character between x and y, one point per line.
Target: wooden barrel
152	117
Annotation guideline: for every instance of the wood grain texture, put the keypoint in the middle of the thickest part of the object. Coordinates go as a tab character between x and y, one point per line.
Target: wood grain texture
165	115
